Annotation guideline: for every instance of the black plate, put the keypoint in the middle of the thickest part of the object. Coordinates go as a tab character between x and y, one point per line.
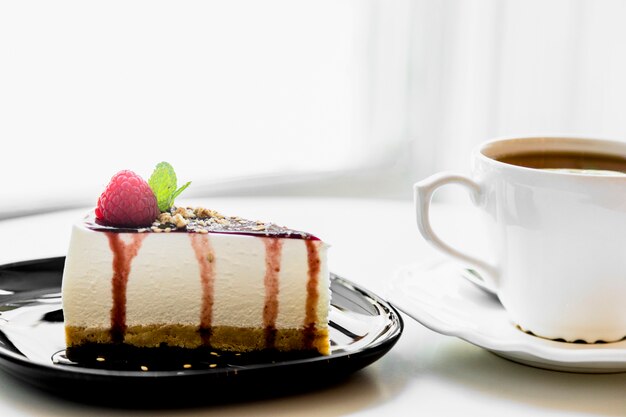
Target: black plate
363	328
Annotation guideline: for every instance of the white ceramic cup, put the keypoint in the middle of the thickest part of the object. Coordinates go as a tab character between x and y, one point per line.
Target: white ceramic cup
559	237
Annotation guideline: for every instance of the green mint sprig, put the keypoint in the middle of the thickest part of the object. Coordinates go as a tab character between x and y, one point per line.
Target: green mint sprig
163	183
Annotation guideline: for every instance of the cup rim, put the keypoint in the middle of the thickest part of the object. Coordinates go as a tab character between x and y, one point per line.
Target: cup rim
566	142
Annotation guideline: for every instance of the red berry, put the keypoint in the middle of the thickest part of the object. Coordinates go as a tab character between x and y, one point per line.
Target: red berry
128	201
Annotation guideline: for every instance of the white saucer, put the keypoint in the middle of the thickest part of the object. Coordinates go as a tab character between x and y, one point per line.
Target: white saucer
438	296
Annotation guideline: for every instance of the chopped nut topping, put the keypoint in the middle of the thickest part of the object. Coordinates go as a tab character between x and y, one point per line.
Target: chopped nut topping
165	218
223	221
206	213
179	220
185	212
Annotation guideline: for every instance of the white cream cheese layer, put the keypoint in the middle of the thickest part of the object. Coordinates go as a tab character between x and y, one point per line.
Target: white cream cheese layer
164	283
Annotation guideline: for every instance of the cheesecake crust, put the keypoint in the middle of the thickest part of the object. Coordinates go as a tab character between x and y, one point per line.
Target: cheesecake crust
224	338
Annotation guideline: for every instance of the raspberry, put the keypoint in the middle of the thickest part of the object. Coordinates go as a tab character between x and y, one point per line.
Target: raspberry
128	201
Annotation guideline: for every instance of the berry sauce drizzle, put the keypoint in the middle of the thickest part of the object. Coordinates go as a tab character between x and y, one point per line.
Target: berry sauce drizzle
273	255
205	256
124	253
312	293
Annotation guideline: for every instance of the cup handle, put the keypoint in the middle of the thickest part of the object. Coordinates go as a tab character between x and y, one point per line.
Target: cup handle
423	192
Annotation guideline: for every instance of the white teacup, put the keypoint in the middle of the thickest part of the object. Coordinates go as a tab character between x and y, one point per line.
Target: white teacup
559	234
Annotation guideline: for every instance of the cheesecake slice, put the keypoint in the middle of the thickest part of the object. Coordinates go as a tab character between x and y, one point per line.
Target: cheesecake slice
195	278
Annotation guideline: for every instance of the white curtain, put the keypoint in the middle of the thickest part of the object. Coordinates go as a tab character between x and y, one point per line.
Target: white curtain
324	97
241	96
493	68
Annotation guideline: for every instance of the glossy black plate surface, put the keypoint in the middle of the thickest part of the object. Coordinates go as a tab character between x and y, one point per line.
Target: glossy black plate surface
363	328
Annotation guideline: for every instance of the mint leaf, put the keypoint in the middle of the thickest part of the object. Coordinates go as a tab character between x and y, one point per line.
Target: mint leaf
163	183
180	190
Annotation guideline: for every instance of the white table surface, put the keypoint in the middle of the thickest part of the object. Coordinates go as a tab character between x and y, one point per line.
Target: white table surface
425	374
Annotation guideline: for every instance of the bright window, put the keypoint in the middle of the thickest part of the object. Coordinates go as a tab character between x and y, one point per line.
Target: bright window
222	90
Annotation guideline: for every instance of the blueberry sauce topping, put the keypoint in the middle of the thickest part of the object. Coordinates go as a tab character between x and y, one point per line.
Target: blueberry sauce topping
201	220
